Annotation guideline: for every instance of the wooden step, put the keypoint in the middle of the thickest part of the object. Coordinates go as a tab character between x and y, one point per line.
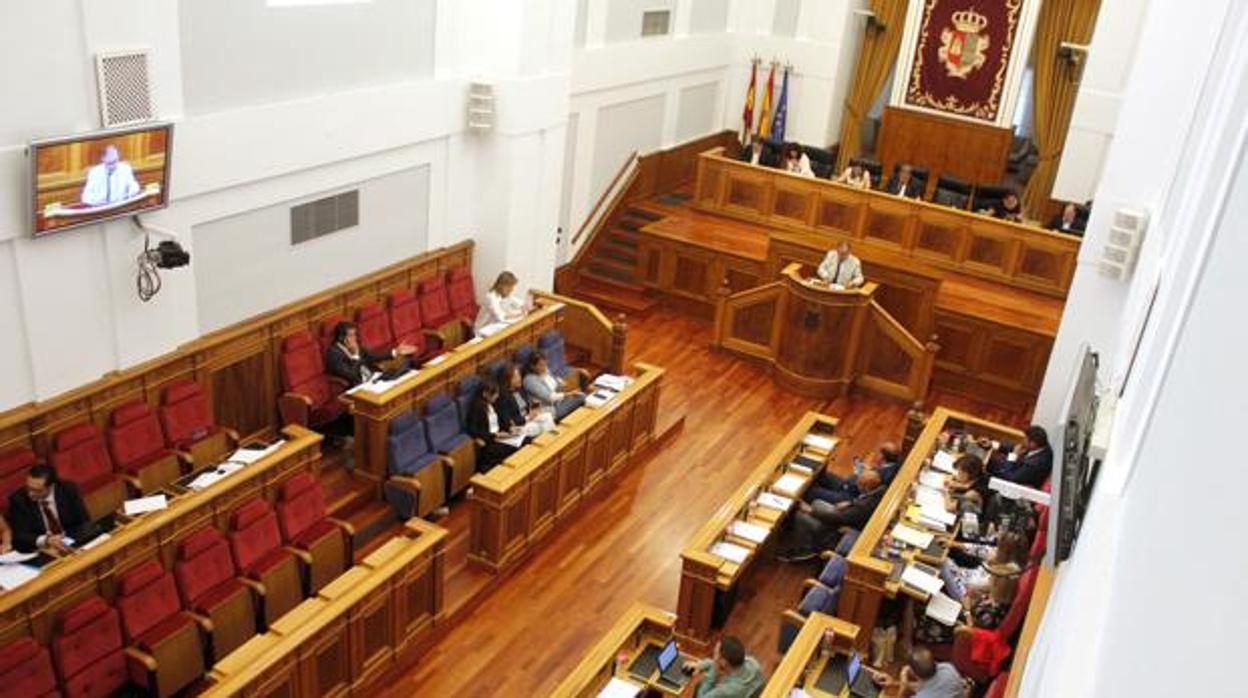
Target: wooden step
643	213
610	294
619	253
343	492
613	269
623	238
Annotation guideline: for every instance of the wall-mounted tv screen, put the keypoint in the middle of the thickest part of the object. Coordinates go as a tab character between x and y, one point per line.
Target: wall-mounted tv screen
80	180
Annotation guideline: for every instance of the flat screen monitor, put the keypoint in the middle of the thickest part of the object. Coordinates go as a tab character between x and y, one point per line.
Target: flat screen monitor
86	179
668	656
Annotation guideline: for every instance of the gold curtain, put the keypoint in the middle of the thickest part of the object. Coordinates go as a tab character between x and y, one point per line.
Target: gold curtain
876	59
1055	86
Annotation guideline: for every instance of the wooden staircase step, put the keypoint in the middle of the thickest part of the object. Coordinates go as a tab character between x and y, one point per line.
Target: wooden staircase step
643	213
611	269
610	251
622	238
632	299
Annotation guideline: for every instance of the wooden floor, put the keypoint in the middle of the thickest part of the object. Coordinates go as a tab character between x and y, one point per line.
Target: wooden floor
535	624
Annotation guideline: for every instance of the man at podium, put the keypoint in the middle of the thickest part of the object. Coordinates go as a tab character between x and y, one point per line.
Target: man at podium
110	181
840	269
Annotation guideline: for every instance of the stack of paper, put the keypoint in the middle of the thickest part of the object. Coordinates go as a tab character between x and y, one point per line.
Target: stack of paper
515	440
823	443
620	688
925	496
95	541
612	381
748	531
142	505
943	461
491	329
13	557
380	386
772	500
912	536
247	456
938	514
730	551
789	484
598	398
931	478
943	609
205	480
917	578
13	576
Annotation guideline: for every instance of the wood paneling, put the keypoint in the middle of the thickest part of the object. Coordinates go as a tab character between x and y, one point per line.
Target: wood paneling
981	356
975	152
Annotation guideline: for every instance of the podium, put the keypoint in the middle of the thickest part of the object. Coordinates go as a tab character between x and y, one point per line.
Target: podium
821	341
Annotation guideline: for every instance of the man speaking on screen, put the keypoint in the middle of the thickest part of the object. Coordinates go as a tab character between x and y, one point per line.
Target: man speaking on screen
110	181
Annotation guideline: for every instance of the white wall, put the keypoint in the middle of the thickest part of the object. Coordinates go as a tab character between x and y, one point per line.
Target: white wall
1150	582
625	127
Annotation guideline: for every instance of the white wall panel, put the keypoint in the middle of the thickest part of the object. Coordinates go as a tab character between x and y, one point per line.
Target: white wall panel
696	115
623	128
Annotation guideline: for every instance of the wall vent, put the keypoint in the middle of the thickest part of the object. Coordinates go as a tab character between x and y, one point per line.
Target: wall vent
656	22
125	92
318	218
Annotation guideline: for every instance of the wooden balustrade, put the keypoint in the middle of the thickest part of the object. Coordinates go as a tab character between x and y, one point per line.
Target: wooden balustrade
586	328
707	579
32	608
375	616
886	228
516	504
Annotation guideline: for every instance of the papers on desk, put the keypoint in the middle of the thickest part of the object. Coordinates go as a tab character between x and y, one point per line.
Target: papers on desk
772	500
823	443
938	514
492	329
95	541
933	479
13	557
13	576
789	484
248	455
377	386
730	551
943	609
437	359
943	461
925	496
612	381
142	505
748	531
475	340
912	536
514	441
598	398
917	578
620	688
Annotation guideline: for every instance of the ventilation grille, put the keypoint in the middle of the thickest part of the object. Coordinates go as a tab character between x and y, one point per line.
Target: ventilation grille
125	93
656	22
324	216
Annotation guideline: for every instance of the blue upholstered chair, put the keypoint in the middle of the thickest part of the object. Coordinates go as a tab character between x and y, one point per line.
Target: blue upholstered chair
417	482
846	543
522	355
816	597
833	572
468	386
552	344
448	438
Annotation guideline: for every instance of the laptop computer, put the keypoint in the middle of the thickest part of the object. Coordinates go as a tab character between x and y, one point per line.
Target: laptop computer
860	683
660	665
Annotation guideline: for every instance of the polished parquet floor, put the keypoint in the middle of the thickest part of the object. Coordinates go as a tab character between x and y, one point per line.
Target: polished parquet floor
535	624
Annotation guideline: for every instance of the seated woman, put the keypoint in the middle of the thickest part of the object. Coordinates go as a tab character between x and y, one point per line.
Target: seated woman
970	566
544	389
856	176
500	305
486	428
982	608
796	162
514	409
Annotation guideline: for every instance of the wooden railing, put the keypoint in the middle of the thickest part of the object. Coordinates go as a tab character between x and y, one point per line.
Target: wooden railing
810	652
884	227
587	328
895	362
238	366
627	172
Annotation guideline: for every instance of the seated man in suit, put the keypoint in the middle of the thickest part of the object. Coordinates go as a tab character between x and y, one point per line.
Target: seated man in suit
904	183
816	524
45	511
833	488
840	269
1068	221
355	364
1030	462
730	674
1009	208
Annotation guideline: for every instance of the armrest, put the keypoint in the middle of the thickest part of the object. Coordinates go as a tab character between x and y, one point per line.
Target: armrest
336	385
294	408
204	621
343	524
304	556
133	482
185	458
404	482
433	334
252	584
792	617
140	657
479	442
232	433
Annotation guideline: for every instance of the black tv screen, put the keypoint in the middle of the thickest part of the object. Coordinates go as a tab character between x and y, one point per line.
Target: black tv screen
86	179
1078	468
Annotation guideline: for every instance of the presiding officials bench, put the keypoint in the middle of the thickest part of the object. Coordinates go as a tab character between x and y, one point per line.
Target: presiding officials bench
724	549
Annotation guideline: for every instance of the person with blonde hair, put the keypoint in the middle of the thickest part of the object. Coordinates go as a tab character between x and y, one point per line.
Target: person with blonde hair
501	305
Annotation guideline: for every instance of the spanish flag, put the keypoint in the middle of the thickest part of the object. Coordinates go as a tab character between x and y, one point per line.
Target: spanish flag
764	119
747	115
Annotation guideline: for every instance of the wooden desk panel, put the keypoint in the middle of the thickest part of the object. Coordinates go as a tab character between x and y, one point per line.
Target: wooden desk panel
975	152
808	654
640	626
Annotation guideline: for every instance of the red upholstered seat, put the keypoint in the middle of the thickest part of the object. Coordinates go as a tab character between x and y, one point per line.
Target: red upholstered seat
301	506
81	457
208	584
186	415
327	330
301	516
435	303
311	395
87	650
137	444
26	670
407	325
153	620
372	324
13	468
462	293
256	544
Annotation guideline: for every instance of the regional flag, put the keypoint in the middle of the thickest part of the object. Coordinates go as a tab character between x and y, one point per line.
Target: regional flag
764	119
747	115
782	109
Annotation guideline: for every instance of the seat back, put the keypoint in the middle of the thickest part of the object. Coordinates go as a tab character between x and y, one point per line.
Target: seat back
918	174
833	572
408	444
1013	619
326	337
87	649
822	161
462	293
442	422
186	415
1041	539
146	596
552	344
951	191
523	354
821	599
300	504
435	303
989	196
405	319
997	688
80	455
135	434
373	324
204	561
254	533
13	468
303	369
468	386
846	543
26	669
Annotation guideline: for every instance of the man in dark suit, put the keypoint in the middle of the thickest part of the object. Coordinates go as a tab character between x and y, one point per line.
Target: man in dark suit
833	488
904	184
816	523
45	511
355	364
1030	463
1068	221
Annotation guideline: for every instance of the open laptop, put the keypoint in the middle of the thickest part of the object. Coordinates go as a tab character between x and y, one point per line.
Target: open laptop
860	683
660	665
841	671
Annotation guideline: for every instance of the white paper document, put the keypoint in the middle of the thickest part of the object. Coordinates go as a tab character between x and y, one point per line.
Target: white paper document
620	688
925	496
943	609
943	461
931	478
789	484
436	360
612	381
13	557
749	531
917	578
378	387
598	398
730	551
492	329
823	443
515	441
772	500
247	456
142	505
475	340
206	480
95	541
13	576
938	514
912	536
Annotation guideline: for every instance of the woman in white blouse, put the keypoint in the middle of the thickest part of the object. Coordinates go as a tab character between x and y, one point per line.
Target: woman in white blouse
856	176
500	305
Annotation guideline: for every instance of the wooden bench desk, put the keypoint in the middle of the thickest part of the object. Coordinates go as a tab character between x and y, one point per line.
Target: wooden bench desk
707	579
821	638
642	625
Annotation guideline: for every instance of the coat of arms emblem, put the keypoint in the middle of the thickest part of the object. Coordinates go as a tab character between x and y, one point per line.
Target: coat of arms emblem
962	46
